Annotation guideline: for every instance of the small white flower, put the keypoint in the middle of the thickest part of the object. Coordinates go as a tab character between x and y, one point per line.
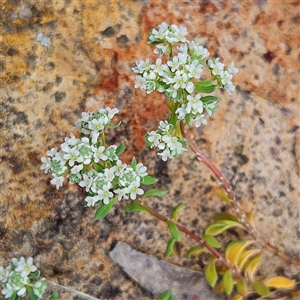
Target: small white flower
154	138
72	155
52	152
105	194
141	170
181	113
98	153
26	267
160	49
194	104
231	69
199	120
190	87
46	164
109	174
165	154
164	126
76	169
134	190
111	112
58	181
91	201
121	193
87	181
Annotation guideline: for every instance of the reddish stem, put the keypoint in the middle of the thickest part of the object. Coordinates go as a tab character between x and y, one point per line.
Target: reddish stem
237	210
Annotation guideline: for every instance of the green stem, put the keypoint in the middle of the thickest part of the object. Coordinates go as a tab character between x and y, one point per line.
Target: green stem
195	237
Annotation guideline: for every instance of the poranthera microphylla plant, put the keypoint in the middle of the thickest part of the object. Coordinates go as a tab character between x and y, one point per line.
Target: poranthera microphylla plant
85	159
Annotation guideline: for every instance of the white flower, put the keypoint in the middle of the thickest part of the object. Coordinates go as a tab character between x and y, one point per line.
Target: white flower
4	274
111	112
91	201
190	87
229	87
134	190
98	153
73	155
165	154
26	267
96	125
199	120
94	135
194	104
160	49
164	126
46	164
174	64
87	181
52	152
120	167
215	66
153	138
180	79
109	174
181	112
194	69
231	69
141	170
105	194
121	193
58	181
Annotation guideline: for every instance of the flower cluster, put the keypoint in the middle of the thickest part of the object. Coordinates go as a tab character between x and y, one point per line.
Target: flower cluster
89	163
172	146
178	77
16	277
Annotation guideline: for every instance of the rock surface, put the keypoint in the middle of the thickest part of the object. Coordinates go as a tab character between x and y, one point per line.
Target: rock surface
59	58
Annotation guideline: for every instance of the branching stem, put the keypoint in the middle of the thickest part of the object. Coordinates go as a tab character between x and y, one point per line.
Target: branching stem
237	210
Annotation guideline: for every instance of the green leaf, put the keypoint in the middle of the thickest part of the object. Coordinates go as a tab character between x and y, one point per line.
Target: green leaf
32	295
154	192
222	195
170	247
148	180
133	163
98	167
205	89
204	83
210	99
242	287
165	296
13	296
114	125
196	250
35	275
220	226
211	273
120	149
104	209
228	282
211	241
54	296
134	207
174	230
225	216
175	211
260	288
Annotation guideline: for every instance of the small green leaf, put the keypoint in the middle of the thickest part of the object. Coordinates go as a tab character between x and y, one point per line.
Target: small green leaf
165	296
120	149
205	89
133	163
35	275
104	209
134	207
210	99
98	167
204	83
225	216
114	125
211	273
148	180
154	192
242	287
196	250
175	211
260	288
220	226
13	296
174	230
32	295
170	247
211	241
228	282
54	296
221	195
